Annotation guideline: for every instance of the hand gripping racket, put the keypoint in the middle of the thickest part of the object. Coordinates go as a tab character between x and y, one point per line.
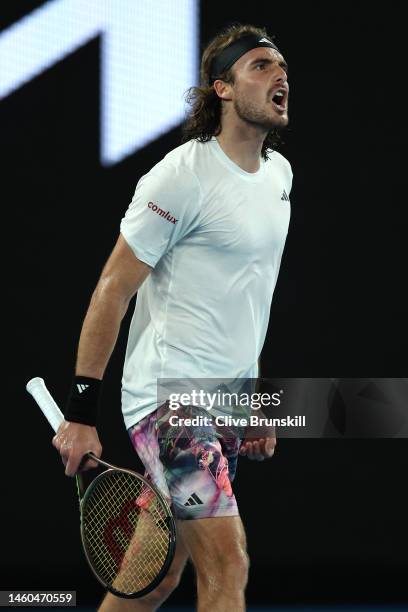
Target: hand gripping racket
127	529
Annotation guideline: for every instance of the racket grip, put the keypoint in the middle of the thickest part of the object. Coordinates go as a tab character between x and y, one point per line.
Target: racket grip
36	386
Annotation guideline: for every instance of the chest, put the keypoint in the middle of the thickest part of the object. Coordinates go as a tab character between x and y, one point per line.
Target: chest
249	219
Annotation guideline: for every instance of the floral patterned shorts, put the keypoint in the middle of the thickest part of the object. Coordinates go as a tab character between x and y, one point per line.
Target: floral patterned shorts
192	466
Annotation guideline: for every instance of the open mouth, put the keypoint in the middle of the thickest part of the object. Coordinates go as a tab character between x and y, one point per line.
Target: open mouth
279	99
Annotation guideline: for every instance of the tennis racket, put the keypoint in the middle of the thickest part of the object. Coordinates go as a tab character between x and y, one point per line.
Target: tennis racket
127	529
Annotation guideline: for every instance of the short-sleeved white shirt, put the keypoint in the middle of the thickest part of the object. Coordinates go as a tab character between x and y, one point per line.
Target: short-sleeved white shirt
214	236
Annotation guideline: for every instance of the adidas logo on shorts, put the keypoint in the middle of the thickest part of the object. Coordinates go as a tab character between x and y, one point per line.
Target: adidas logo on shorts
193	500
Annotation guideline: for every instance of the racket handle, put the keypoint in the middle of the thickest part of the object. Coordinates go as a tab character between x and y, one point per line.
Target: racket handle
36	386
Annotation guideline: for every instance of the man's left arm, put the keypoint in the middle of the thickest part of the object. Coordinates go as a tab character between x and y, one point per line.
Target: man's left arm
258	448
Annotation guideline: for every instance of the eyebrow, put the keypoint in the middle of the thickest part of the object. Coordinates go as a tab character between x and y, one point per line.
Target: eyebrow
267	60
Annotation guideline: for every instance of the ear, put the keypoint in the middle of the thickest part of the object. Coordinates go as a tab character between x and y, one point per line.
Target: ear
223	89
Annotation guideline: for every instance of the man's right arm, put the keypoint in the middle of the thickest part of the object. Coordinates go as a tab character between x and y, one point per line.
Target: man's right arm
121	277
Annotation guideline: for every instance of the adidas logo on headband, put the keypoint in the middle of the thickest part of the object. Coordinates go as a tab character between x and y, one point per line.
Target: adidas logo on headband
229	55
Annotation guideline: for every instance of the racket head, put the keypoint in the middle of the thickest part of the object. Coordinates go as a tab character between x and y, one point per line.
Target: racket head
128	532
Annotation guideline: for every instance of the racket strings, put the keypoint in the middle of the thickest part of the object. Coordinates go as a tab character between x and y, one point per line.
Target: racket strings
125	531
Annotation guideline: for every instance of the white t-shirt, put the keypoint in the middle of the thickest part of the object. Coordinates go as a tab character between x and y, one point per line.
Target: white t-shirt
214	235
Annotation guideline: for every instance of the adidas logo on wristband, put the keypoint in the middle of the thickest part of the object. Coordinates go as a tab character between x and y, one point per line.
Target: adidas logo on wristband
82	388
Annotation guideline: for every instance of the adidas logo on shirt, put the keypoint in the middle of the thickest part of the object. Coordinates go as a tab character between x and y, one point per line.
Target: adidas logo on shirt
285	196
193	500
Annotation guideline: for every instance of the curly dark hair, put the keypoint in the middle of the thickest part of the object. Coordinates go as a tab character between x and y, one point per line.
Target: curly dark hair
204	119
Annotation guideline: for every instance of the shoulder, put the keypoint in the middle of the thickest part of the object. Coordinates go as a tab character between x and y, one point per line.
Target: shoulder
178	168
172	185
277	160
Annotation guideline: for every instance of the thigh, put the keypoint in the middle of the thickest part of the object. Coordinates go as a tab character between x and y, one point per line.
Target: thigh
214	541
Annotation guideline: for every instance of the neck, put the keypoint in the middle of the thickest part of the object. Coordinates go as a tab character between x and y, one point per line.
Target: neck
242	142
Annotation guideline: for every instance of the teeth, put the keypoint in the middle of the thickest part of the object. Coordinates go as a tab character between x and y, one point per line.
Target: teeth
279	93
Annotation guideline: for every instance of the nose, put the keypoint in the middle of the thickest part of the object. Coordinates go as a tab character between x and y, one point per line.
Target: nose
279	78
280	75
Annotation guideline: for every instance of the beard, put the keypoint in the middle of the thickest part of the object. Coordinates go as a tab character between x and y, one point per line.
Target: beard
264	118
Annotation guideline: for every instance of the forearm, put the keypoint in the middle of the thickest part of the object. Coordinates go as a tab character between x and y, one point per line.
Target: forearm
100	330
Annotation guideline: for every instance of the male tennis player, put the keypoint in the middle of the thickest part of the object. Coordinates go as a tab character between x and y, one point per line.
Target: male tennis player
201	242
